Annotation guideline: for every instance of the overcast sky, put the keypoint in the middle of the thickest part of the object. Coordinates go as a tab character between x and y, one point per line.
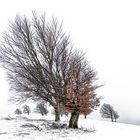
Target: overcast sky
108	30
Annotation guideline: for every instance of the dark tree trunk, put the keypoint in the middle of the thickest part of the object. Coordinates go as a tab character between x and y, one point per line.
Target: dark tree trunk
112	119
85	116
111	116
73	123
57	115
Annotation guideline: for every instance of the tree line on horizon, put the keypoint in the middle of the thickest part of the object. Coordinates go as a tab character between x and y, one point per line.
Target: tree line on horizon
106	111
40	108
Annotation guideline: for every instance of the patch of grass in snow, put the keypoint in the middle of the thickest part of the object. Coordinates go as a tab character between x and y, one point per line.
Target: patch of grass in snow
32	126
7	118
3	133
22	134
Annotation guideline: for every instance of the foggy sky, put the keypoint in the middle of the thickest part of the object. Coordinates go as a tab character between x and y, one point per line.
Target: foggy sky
109	31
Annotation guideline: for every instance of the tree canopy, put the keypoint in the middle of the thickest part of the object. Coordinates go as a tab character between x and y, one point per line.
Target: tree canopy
42	65
107	111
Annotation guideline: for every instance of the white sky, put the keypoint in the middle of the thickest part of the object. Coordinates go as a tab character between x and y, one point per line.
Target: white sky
108	30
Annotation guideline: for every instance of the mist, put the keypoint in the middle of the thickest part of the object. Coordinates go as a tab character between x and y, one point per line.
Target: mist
108	31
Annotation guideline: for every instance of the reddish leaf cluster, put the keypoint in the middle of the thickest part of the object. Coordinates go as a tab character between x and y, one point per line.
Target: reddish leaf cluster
81	99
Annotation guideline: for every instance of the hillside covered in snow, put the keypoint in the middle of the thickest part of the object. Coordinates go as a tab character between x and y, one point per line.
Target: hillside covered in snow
34	128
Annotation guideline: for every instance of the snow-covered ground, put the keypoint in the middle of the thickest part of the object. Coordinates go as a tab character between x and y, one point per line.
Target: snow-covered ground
37	128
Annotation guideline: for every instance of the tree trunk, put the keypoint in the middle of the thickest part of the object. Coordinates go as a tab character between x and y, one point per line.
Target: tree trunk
111	116
73	123
112	119
57	115
85	116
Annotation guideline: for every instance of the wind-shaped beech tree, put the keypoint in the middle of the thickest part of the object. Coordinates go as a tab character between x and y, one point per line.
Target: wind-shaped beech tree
41	65
107	111
81	96
35	54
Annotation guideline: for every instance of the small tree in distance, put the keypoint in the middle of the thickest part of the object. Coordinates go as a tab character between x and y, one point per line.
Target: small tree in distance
116	116
18	111
26	109
107	111
41	108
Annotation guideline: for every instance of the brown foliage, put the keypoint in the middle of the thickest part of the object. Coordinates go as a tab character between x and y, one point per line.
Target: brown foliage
81	100
80	93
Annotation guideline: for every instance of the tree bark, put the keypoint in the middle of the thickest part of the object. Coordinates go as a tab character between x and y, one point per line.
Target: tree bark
111	116
57	115
112	119
73	123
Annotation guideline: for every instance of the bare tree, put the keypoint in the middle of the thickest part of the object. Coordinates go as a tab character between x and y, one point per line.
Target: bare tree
35	54
42	65
26	109
116	116
107	111
41	108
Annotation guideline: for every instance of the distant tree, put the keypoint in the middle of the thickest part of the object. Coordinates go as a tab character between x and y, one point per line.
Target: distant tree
18	111
116	116
41	108
26	109
107	111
